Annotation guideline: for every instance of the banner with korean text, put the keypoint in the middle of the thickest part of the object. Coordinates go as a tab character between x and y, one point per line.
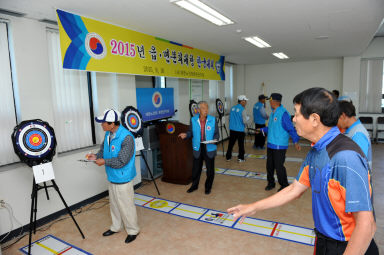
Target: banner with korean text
88	44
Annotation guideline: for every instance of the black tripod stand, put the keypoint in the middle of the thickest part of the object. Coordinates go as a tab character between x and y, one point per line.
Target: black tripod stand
221	126
32	222
149	170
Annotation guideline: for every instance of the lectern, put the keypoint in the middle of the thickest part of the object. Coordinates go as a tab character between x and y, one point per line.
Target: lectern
176	153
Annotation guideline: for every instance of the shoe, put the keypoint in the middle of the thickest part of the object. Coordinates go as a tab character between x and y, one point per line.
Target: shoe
255	147
241	160
191	189
109	233
282	187
228	159
130	238
269	187
207	191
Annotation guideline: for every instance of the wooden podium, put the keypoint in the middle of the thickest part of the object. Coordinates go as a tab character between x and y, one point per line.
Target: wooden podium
176	153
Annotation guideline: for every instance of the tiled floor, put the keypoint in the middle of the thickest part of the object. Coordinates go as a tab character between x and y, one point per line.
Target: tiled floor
166	234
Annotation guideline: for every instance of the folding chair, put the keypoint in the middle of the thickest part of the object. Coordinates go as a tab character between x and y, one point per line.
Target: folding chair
379	128
368	124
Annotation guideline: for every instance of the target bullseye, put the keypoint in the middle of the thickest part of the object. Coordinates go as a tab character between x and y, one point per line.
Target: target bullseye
219	107
193	108
34	142
131	120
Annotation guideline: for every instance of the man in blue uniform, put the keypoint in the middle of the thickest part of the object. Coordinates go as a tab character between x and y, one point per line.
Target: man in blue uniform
203	129
117	153
279	129
354	129
259	117
238	118
337	172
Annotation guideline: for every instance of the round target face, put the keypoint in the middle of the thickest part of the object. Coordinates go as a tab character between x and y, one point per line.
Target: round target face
193	108
131	120
170	128
219	106
34	142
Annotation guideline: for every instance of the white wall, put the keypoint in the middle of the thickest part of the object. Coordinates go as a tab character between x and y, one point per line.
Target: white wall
77	181
288	79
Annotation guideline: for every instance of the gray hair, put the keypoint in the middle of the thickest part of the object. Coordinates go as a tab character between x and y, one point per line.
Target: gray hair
202	102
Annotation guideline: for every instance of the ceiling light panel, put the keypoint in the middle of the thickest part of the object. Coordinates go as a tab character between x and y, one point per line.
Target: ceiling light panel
257	42
280	55
204	11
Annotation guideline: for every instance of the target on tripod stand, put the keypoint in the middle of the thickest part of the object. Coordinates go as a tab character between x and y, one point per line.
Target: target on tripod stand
219	106
131	120
34	142
193	108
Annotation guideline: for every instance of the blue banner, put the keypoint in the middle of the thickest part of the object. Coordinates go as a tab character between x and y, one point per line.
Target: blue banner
154	104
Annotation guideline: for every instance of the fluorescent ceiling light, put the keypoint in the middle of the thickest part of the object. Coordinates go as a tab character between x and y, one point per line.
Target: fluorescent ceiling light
280	55
257	41
204	11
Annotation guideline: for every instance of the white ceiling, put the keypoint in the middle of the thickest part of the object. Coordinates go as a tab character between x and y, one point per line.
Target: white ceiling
290	26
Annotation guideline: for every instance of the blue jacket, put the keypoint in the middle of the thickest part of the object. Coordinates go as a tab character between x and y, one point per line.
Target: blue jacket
279	128
209	132
111	150
258	116
236	118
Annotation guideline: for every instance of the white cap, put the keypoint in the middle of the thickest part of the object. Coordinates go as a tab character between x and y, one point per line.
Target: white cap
242	98
109	115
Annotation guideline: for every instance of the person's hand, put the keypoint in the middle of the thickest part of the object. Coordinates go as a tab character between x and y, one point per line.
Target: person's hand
90	156
297	146
183	135
100	162
242	211
257	131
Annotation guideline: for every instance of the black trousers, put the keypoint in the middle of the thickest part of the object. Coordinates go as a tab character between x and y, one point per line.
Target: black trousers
328	246
275	160
259	138
198	166
233	136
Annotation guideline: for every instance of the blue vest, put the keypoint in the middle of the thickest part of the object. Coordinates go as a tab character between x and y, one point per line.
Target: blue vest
127	172
236	118
276	133
356	128
257	117
209	132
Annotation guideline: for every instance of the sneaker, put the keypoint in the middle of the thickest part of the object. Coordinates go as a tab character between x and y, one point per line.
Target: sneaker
241	160
255	147
228	159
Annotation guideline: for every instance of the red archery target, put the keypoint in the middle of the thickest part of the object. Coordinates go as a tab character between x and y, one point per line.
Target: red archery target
131	120
34	142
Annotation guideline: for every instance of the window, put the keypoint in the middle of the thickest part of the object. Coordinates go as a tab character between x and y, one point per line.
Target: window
213	94
70	101
7	105
382	94
228	88
371	86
